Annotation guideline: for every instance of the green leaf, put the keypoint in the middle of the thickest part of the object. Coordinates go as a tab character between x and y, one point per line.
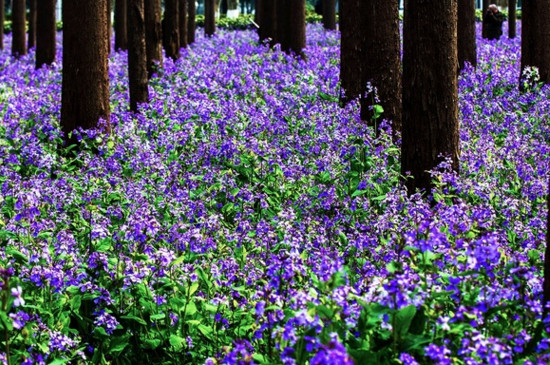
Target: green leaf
151	344
206	331
403	319
177	342
18	256
119	343
135	319
377	111
156	317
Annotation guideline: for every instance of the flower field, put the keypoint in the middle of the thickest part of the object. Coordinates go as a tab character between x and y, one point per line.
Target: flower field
244	217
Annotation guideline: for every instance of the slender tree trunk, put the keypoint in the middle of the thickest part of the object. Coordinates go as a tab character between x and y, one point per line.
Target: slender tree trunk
382	68
153	35
191	21
183	22
536	38
2	16
268	21
31	41
170	29
121	25
329	14
430	90
512	16
85	89
209	17
18	47
466	33
46	29
137	54
351	45
483	11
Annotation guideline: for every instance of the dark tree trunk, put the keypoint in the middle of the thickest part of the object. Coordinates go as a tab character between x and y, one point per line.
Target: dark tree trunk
258	11
283	23
31	41
268	21
153	35
535	38
121	25
109	25
329	14
292	28
382	68
209	17
85	89
483	11
18	46
351	58
466	33
137	54
512	16
191	21
430	90
183	22
46	29
2	16
170	29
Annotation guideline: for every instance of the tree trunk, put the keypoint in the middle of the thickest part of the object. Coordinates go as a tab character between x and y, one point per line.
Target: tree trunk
382	68
170	29
466	33
31	41
137	54
121	25
483	11
268	21
109	24
512	16
430	90
85	89
183	22
258	11
2	16
46	29
535	38
351	58
209	17
329	14
191	21
291	29
283	23
18	46
153	36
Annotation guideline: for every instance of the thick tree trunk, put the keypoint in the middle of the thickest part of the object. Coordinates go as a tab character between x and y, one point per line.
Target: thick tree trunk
209	17
283	23
137	54
170	29
31	41
329	14
292	28
466	33
121	25
258	11
536	38
191	21
382	68
351	45
2	16
109	24
18	46
85	89
153	35
268	21
46	30
512	17
430	90
183	22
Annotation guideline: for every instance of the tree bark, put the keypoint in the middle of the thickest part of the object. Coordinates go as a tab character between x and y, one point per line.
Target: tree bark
382	60
512	17
170	29
182	21
329	14
291	26
483	11
137	54
31	41
2	16
209	17
535	38
430	90
191	21
18	46
85	89
466	33
109	24
46	29
351	59
153	36
283	23
258	11
268	21
121	25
